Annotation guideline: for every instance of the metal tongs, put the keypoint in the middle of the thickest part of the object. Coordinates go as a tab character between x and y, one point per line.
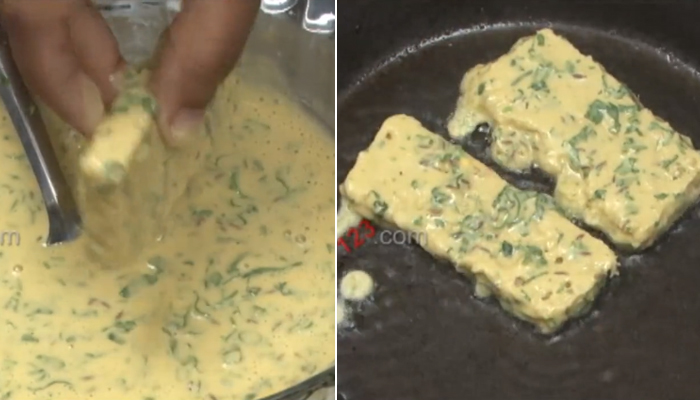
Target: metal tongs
64	218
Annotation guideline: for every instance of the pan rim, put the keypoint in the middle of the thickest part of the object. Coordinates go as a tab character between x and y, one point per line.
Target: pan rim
398	55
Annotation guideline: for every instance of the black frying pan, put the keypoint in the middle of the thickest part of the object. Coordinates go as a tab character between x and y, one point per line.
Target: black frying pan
423	335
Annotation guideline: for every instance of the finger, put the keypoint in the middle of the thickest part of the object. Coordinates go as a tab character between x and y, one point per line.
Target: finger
198	51
66	56
97	51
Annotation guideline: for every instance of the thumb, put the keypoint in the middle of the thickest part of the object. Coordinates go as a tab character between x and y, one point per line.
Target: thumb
198	51
66	55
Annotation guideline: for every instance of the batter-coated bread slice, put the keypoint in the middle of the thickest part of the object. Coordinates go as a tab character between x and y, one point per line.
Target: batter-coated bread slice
618	167
515	244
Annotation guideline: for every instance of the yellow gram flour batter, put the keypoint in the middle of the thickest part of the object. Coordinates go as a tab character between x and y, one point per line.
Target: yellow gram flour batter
236	301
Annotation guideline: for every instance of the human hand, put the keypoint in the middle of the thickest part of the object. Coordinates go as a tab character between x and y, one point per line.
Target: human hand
197	52
69	58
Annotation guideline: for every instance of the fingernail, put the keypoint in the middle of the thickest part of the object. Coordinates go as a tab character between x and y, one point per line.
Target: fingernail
117	79
92	103
186	126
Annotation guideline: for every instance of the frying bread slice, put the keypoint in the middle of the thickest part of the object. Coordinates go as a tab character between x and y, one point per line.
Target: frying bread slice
515	244
619	168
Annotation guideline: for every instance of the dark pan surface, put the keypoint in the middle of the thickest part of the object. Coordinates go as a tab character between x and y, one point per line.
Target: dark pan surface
423	335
